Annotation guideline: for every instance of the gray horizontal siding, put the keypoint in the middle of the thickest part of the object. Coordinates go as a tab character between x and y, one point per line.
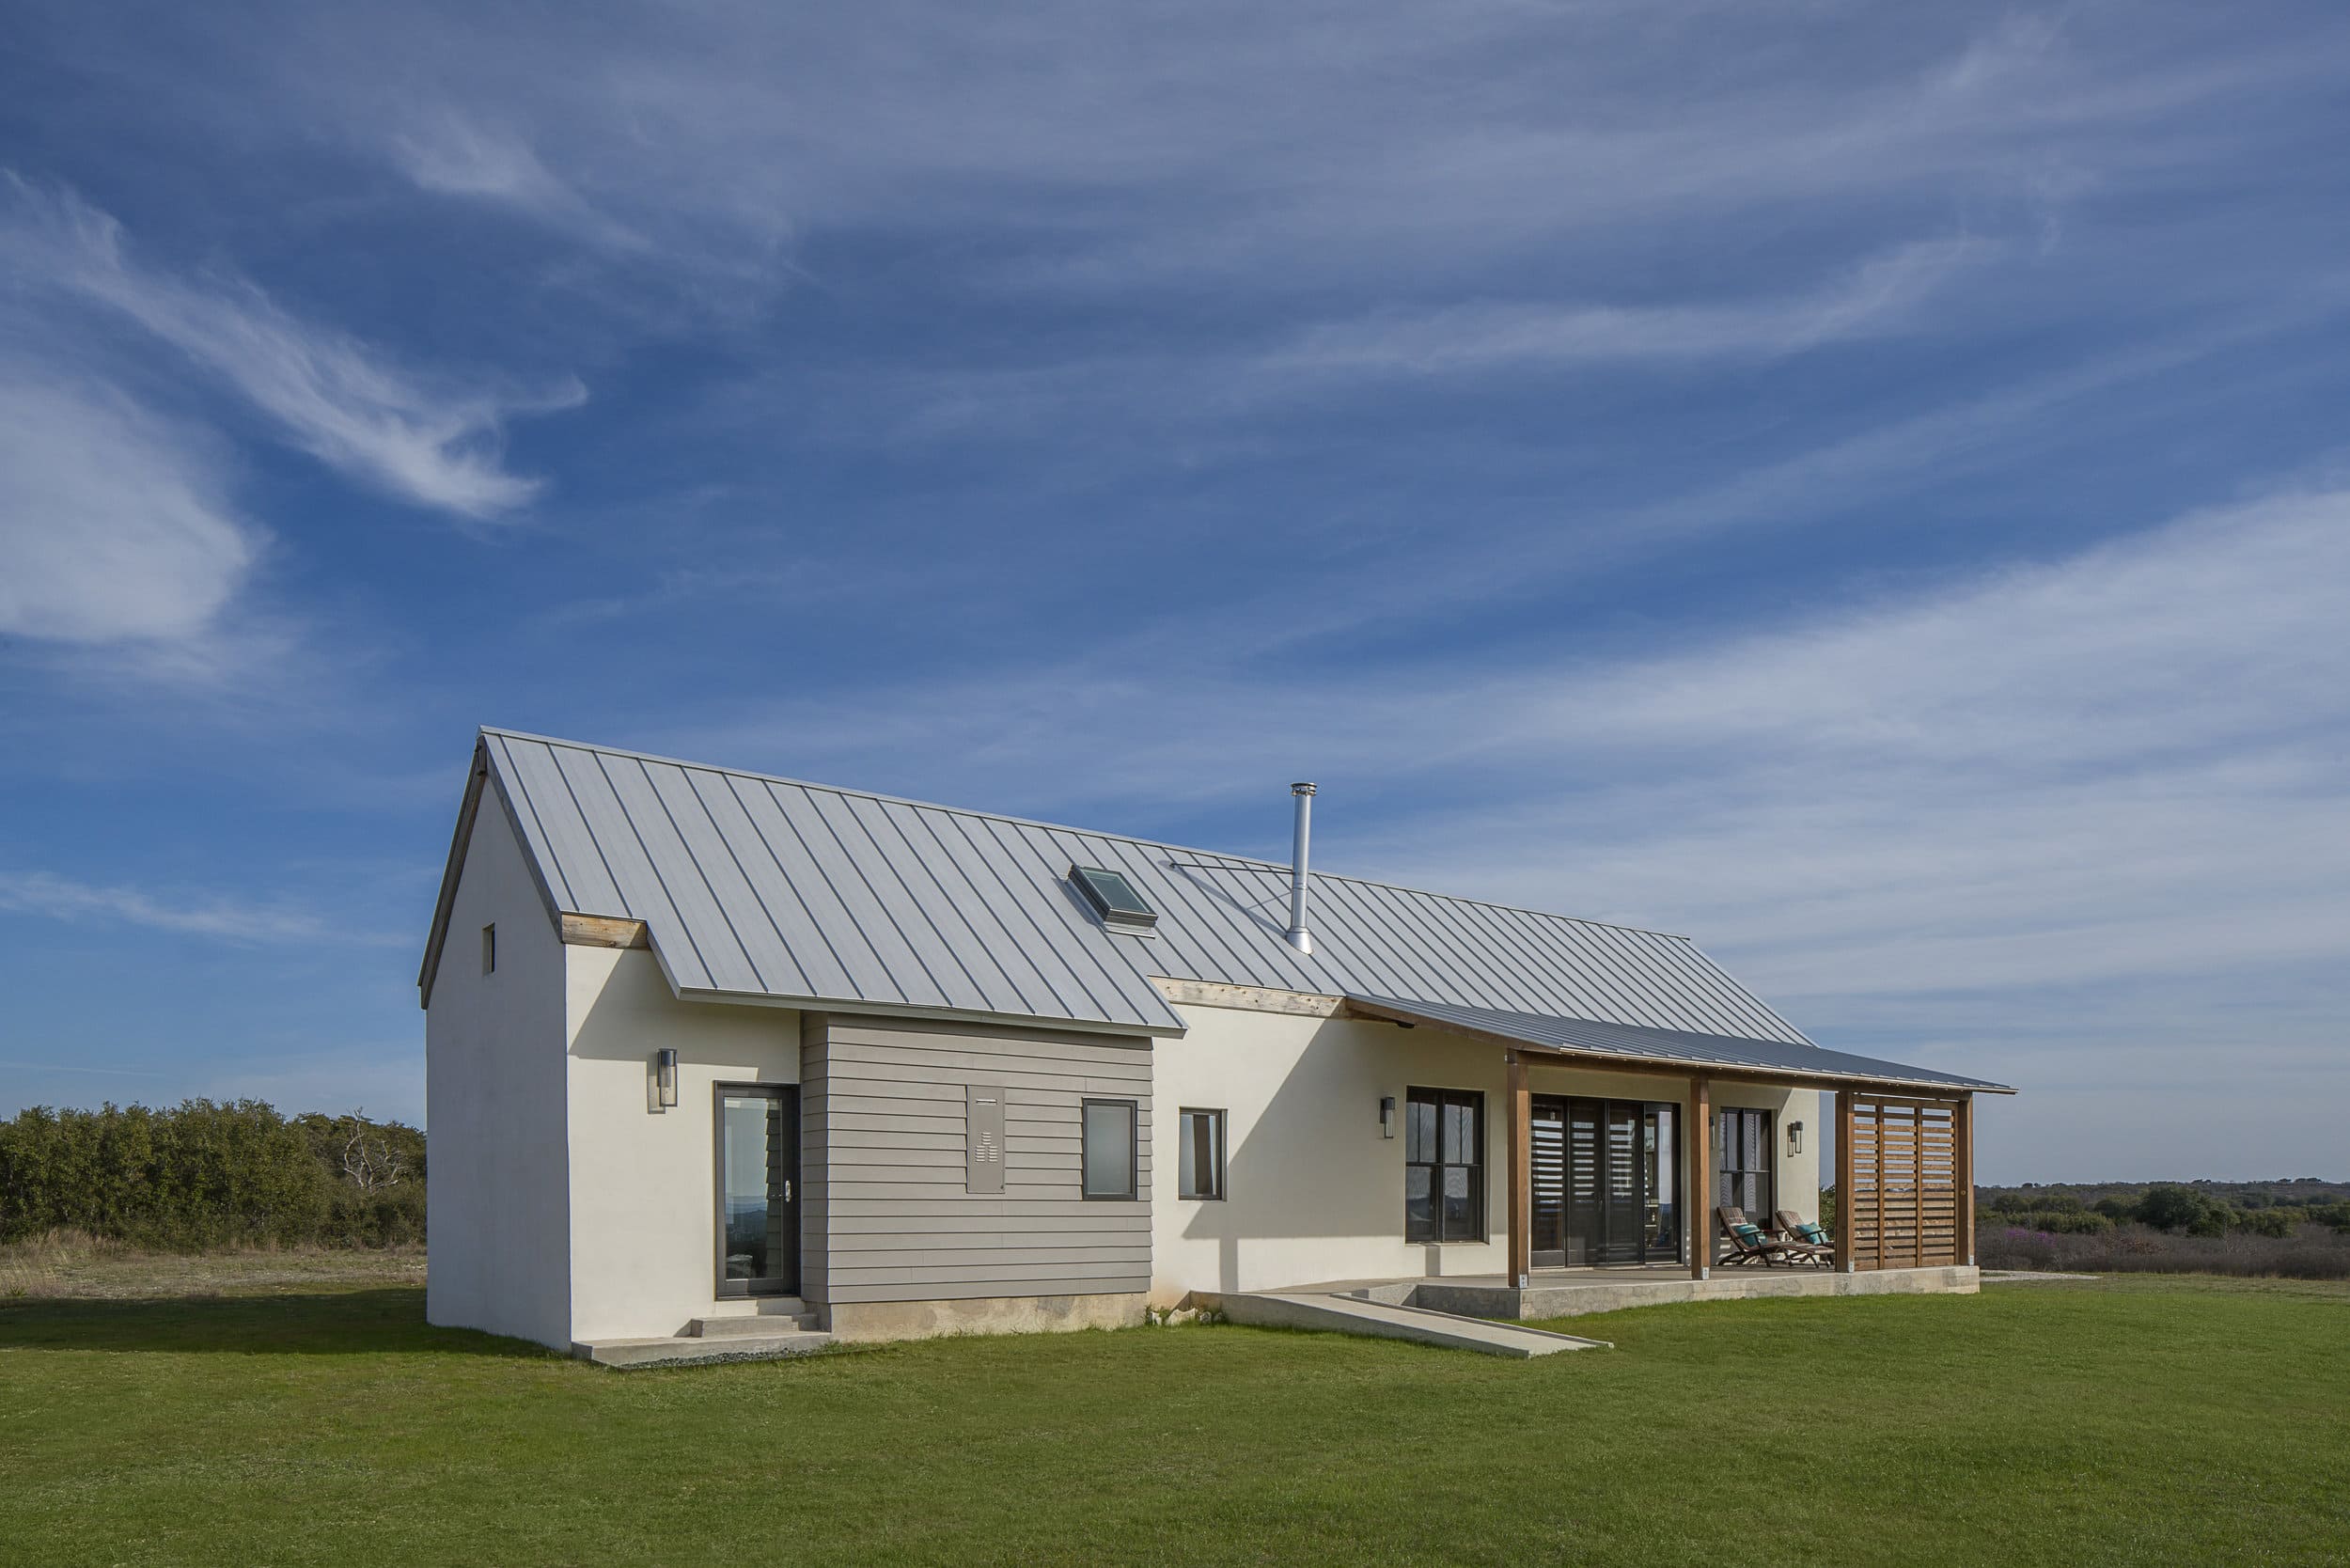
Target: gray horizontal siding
898	1223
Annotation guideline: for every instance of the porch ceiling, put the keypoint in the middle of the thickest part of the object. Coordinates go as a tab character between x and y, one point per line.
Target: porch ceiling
1625	1044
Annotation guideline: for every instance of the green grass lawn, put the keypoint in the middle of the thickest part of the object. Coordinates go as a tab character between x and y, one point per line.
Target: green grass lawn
2143	1420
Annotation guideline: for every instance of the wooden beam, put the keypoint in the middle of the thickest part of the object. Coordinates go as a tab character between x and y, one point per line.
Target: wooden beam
1520	1113
1963	1164
1249	998
1699	1135
1844	1228
602	931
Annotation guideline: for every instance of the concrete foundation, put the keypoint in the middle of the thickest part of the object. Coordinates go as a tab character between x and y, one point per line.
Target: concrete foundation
1600	1291
866	1321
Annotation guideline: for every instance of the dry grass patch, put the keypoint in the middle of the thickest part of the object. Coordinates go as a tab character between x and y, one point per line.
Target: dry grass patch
71	1265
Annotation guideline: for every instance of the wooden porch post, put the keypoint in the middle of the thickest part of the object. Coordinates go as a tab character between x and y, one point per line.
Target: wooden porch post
1698	1135
1844	1227
1962	1151
1521	1110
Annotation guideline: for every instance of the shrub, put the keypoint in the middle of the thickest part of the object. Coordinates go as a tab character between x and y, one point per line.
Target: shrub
2183	1209
206	1173
2276	1222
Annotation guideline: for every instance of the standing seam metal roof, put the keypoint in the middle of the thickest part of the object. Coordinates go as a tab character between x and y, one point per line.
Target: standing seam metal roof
1646	1046
758	886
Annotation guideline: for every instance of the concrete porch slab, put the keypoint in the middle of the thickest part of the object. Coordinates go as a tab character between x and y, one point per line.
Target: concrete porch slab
1573	1292
683	1350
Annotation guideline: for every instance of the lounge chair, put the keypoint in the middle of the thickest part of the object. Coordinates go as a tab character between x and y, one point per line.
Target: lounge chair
1749	1244
1793	1227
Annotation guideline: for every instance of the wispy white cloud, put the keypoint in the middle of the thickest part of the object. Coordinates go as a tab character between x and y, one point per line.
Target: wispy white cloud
451	155
436	444
59	898
1875	297
114	523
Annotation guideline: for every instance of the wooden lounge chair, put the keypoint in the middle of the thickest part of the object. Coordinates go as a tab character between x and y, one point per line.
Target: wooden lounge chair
1749	1245
1794	1228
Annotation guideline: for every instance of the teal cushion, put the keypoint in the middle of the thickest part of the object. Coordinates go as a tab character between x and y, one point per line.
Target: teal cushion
1812	1233
1747	1235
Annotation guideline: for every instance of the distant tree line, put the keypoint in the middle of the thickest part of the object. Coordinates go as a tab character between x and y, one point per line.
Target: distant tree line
207	1173
2200	1209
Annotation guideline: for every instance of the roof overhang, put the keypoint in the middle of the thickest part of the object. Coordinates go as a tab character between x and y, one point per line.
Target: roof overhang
1587	1041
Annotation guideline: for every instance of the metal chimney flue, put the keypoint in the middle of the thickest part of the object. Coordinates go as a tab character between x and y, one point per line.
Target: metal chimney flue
1299	937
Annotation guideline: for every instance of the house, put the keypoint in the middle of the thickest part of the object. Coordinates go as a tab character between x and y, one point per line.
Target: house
706	1045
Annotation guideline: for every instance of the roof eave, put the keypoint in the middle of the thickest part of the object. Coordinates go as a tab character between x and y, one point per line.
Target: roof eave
1679	1066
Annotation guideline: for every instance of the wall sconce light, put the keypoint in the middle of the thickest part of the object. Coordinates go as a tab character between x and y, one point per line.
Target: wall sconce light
1794	1137
665	1075
1387	1115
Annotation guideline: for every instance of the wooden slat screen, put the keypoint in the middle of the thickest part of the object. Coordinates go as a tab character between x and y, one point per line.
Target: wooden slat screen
1903	1184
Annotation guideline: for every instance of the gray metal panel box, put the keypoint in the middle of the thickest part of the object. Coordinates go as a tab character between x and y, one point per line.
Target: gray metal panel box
984	1137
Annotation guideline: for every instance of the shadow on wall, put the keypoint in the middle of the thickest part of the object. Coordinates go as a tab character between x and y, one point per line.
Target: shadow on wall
338	1323
1313	1165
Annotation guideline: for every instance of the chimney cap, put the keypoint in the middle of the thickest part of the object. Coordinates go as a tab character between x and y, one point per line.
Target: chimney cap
1301	789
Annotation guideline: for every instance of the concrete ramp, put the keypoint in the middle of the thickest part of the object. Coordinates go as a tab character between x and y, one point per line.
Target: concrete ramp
1379	1320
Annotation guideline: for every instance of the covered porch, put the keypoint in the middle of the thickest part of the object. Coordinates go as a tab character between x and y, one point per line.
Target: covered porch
1579	1174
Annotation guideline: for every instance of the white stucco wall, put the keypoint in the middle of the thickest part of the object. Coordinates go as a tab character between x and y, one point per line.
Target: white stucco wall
498	1197
1314	1191
643	1180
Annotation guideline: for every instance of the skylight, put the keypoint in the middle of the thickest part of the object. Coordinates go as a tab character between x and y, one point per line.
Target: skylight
1114	899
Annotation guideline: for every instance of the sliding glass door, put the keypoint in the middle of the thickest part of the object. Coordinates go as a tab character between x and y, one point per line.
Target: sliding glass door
1602	1182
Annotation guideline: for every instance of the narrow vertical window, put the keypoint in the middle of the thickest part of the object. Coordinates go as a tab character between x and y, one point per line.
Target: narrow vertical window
1200	1155
489	949
1109	1147
1443	1164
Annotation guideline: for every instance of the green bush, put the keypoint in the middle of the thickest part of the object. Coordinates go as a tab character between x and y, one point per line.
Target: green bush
2183	1209
2271	1222
2061	1222
205	1174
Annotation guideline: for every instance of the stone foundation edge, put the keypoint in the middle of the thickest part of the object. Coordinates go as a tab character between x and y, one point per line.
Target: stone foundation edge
866	1322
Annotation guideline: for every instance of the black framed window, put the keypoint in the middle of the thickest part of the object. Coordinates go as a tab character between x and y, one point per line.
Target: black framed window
1443	1164
1111	1148
1742	1164
1200	1155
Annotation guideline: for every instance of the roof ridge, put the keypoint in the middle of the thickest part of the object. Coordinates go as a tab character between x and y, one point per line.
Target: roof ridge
1246	861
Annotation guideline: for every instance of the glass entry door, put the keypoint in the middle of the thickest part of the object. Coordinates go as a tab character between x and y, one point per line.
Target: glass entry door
1602	1182
759	1180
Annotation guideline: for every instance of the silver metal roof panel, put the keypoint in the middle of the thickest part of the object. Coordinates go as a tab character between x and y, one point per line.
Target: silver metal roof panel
1683	1048
777	889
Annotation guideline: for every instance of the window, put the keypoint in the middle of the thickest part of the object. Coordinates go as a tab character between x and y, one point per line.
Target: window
1109	1145
1443	1164
1200	1155
489	949
1114	899
1742	1162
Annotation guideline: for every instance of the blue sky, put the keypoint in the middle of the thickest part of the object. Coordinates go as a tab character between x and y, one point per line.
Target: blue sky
1865	485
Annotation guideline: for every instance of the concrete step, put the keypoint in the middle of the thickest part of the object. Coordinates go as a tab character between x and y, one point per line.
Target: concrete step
681	1349
1380	1320
752	1326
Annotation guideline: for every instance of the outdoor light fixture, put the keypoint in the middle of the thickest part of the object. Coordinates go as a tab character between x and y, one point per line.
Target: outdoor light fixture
1387	1115
665	1075
1794	1137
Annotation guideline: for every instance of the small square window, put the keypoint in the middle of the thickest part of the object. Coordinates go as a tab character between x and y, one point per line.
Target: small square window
489	949
1200	1155
1108	1147
1114	899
